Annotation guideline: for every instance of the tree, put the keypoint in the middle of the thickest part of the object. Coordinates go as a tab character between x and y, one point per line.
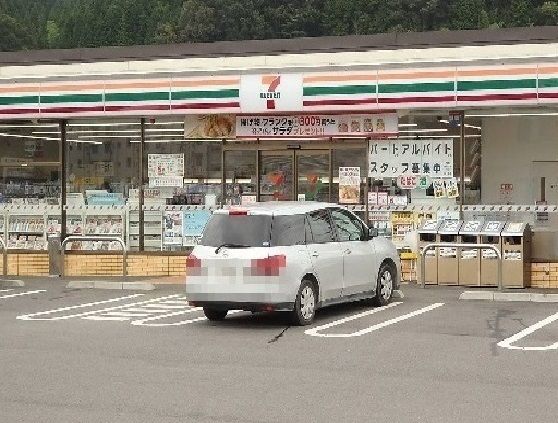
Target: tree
12	36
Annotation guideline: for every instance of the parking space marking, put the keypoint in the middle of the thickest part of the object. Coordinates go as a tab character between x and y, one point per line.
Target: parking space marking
19	294
507	343
315	331
34	316
144	322
6	290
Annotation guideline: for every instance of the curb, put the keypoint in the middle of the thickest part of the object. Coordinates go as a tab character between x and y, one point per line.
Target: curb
132	286
509	296
11	283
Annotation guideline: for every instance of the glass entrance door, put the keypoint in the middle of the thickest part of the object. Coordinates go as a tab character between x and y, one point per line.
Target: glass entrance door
294	175
313	172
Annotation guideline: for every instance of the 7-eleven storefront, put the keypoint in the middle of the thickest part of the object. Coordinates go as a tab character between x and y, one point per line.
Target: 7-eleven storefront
98	150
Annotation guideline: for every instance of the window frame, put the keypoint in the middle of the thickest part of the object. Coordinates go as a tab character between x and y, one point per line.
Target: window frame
354	219
333	229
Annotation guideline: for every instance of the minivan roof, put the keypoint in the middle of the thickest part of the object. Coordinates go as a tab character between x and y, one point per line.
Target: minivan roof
281	207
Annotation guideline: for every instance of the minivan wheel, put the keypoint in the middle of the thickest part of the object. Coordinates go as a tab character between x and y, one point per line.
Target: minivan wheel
213	314
384	286
305	304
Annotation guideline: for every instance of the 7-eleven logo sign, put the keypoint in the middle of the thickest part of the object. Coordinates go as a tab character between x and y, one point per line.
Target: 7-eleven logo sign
272	83
263	93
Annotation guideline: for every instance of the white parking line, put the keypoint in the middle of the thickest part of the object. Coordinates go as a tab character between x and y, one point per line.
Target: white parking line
46	313
143	322
315	331
6	290
19	294
507	343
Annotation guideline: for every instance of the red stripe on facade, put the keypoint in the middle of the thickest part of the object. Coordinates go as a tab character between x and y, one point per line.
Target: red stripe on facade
206	106
18	111
548	95
137	107
311	103
496	97
439	99
70	109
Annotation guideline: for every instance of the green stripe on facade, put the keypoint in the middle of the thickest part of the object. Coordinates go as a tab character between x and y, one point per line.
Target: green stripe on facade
28	99
497	84
346	89
72	98
425	87
197	95
148	96
548	83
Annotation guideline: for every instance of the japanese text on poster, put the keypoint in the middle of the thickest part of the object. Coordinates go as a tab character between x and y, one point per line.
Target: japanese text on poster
165	170
349	185
393	158
316	125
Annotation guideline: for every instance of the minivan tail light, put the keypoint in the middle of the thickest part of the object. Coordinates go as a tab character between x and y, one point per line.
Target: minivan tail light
193	266
269	266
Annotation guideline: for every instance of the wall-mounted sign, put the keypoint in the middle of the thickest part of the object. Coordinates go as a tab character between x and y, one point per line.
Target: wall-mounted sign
393	158
407	181
165	170
271	92
173	228
349	185
316	125
209	126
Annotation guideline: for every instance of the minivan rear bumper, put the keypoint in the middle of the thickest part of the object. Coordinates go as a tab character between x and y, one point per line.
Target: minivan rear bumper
245	306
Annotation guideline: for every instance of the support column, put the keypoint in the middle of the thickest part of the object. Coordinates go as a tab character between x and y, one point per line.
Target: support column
141	214
62	164
461	163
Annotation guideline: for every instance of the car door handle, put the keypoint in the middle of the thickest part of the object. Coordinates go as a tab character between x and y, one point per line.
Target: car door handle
347	252
315	254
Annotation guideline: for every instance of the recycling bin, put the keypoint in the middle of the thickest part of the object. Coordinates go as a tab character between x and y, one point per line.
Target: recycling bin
469	258
516	255
428	234
491	234
448	260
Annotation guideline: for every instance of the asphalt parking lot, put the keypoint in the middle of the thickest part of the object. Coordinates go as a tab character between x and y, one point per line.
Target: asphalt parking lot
121	356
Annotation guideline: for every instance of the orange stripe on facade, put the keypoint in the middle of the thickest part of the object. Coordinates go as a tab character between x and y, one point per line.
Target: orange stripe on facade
165	84
73	87
497	72
340	78
184	83
445	74
5	89
548	70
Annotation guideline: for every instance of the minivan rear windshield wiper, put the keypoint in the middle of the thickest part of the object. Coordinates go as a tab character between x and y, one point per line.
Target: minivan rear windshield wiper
230	246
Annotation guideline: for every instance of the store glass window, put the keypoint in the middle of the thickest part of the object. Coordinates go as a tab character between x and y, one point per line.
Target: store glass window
29	177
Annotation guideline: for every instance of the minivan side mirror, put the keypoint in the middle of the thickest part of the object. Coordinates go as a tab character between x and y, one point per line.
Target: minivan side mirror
372	233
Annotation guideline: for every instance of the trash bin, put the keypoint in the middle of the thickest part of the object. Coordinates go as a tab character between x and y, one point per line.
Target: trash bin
491	234
469	258
448	261
516	255
428	234
54	255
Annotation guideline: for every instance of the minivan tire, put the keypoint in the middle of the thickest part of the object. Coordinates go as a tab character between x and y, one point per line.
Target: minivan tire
305	303
214	315
384	286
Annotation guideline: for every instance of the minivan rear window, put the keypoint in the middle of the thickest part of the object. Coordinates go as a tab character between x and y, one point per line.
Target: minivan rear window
241	230
288	230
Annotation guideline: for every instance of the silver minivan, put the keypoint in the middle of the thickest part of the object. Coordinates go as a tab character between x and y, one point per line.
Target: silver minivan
289	256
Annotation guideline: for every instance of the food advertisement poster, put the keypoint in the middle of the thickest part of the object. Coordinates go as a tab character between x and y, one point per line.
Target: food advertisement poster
371	125
439	188
349	185
209	126
452	188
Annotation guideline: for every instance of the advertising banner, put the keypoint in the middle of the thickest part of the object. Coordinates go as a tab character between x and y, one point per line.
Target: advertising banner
173	228
349	185
209	126
165	170
194	222
317	125
394	158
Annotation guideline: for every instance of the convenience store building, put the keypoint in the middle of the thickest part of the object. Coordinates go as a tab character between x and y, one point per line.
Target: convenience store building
148	140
